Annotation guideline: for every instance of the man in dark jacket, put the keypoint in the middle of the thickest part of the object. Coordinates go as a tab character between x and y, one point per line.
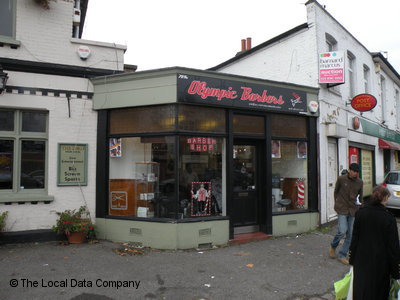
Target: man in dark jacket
348	197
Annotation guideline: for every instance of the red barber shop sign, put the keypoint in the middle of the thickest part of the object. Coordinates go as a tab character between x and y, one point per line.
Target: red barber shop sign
363	102
239	94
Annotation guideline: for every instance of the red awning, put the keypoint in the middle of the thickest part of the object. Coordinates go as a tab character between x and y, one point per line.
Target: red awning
383	144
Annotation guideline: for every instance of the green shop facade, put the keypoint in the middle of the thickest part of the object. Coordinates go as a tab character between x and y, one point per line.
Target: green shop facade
189	158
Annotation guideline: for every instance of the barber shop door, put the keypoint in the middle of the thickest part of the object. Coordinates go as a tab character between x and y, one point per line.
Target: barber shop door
246	187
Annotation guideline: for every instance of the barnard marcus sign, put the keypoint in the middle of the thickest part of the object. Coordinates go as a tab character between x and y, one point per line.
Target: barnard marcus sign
331	67
237	94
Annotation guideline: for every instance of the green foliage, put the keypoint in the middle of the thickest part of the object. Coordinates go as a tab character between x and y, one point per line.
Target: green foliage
3	218
75	221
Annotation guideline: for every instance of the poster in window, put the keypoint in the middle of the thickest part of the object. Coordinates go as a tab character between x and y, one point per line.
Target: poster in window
301	149
276	149
201	199
115	147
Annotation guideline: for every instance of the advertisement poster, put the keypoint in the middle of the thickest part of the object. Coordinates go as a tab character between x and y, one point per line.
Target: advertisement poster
72	164
331	67
115	148
367	171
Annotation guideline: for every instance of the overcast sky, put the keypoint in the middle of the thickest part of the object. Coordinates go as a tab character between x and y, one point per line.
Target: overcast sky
202	34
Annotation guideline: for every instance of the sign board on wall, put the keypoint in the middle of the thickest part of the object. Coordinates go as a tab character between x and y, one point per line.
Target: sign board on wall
72	164
239	94
331	67
367	171
363	102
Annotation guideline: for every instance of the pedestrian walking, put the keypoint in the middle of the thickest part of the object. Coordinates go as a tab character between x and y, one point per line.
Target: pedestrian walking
374	249
348	196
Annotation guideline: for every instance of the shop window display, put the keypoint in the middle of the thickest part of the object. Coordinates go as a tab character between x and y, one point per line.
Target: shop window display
201	176
289	176
142	177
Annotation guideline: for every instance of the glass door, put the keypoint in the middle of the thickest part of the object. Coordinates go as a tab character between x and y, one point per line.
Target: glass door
245	187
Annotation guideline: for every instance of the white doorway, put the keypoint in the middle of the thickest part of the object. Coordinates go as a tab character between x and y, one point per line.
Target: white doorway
332	177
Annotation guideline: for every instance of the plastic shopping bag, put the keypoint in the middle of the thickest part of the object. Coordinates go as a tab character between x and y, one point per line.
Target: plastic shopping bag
394	289
344	287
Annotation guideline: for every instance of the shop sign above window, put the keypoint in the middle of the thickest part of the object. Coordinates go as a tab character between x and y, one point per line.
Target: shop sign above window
363	102
331	67
227	93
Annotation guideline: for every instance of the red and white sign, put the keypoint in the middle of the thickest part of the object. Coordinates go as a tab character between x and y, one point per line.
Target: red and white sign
331	67
201	144
363	102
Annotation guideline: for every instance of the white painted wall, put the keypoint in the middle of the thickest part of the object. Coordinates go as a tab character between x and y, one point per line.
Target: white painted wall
45	37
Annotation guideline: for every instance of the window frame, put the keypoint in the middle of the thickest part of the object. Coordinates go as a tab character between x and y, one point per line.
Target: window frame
16	194
11	40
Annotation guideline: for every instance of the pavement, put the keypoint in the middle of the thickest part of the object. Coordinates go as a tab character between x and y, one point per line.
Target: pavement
291	267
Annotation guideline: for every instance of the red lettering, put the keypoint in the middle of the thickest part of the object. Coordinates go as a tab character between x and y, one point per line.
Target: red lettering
201	89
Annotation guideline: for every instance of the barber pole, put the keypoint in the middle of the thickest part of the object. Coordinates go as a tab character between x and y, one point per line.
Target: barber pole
300	193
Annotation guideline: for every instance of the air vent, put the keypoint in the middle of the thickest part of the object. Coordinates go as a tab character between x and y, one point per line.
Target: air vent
136	231
205	246
205	232
292	223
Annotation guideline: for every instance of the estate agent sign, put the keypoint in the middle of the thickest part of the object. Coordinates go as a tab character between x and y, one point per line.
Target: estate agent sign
331	67
72	164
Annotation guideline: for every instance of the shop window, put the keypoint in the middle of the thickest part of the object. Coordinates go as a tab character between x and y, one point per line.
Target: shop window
248	124
288	126
201	119
202	176
289	175
23	143
143	119
142	177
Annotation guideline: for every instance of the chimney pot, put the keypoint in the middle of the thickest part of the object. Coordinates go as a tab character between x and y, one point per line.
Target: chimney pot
243	45
248	47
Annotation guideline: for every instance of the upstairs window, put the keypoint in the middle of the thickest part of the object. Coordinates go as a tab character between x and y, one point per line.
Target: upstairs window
7	18
366	78
351	74
331	43
383	98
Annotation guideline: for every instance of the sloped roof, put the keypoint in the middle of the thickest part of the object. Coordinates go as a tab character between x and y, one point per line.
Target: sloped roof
261	46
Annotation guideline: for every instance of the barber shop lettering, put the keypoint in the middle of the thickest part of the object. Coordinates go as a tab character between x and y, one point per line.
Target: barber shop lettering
201	89
201	144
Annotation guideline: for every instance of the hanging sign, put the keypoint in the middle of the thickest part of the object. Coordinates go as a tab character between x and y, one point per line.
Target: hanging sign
72	164
239	94
331	67
363	102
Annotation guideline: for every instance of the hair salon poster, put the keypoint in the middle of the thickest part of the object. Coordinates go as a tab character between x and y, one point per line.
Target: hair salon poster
238	94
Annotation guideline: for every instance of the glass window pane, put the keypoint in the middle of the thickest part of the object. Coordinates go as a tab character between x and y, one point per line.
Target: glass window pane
33	154
6	17
6	164
289	177
288	126
143	119
248	124
6	120
201	119
142	177
201	180
34	121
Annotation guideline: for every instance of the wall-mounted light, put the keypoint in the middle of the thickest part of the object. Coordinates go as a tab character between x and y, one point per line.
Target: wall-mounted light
3	79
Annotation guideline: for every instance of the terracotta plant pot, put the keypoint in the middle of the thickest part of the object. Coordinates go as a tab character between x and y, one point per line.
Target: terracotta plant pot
76	238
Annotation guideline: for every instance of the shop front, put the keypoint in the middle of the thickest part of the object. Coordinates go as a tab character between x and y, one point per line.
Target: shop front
189	158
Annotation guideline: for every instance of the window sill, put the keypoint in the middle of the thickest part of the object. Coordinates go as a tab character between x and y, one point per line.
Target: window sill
9	41
25	197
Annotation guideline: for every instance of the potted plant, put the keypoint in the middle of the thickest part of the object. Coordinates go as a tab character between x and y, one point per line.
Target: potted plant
3	217
75	224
